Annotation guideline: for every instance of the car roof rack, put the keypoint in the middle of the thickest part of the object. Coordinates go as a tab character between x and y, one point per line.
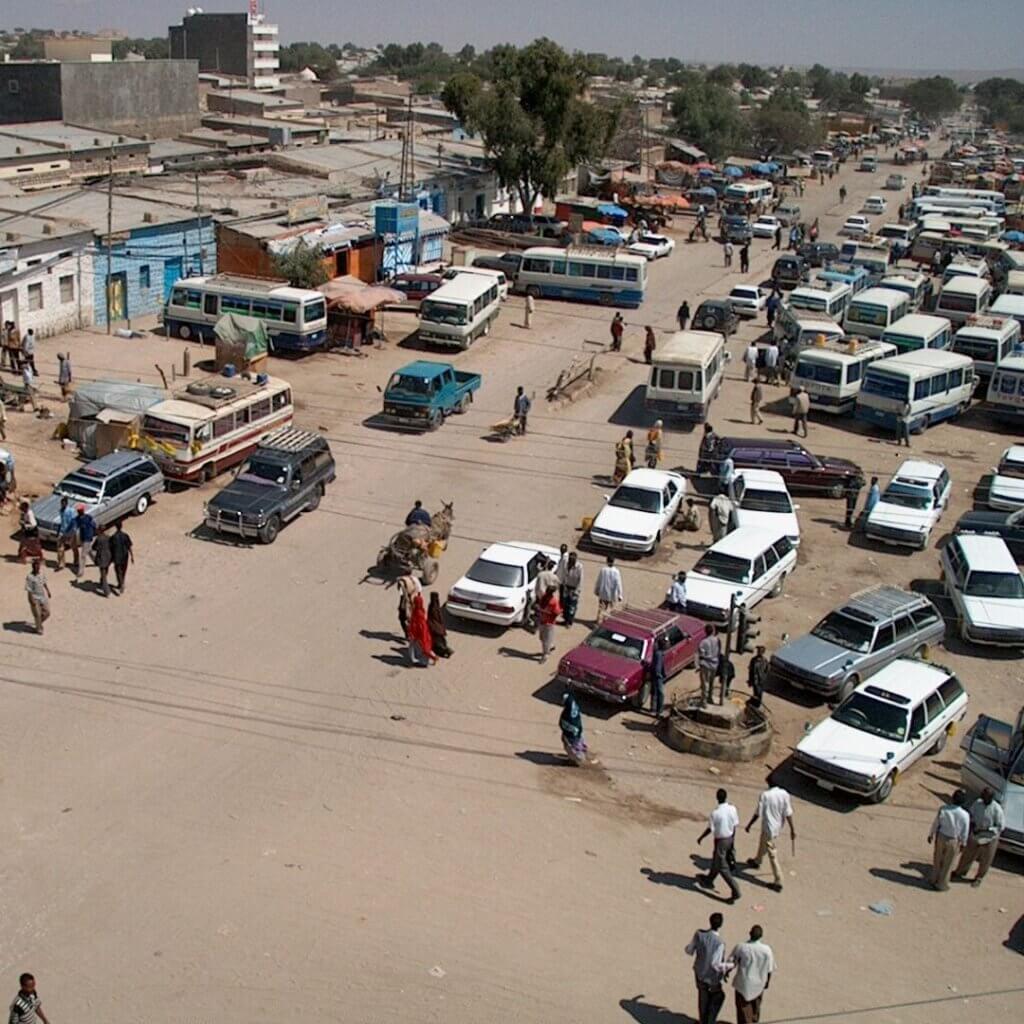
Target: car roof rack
290	439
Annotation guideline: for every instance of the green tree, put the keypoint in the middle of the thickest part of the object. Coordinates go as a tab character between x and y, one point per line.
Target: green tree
783	124
296	56
708	115
156	48
723	74
933	97
302	265
28	47
533	123
1000	99
753	77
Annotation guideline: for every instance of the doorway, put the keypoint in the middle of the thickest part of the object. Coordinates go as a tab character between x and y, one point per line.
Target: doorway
118	292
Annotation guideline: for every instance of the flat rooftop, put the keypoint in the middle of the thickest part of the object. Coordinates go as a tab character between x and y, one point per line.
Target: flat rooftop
59	135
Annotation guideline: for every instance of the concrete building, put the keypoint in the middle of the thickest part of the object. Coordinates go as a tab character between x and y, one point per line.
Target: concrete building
250	103
30	165
89	152
278	131
90	48
241	44
151	97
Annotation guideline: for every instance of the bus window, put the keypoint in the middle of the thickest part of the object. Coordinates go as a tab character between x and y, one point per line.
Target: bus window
853	372
280	400
557	267
313	311
618	273
223	425
234	304
631	274
956	378
210	305
604	272
939	384
685	381
666	379
260	409
537	265
241	417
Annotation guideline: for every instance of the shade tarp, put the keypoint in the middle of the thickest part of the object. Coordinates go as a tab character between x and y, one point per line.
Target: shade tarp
612	210
604	235
244	334
356	297
1016	237
92	397
663	202
734	172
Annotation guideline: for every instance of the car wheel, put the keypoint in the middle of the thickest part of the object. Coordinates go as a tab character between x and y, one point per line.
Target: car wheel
487	328
922	652
848	685
607	299
779	584
526	619
433	420
708	323
657	542
209	471
963	632
462	404
939	745
836	492
314	498
430	570
184	332
881	794
141	504
269	532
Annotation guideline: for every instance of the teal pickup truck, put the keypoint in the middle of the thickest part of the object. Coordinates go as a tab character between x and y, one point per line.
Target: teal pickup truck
420	395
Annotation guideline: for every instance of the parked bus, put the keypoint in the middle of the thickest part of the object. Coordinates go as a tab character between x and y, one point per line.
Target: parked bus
1009	305
917	331
937	386
856	277
460	311
980	195
831	374
874	311
988	340
962	297
825	297
918	286
584	273
214	423
295	318
686	375
749	193
1005	399
871	256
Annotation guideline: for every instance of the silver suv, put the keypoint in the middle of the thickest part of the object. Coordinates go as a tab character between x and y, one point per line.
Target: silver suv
110	488
874	627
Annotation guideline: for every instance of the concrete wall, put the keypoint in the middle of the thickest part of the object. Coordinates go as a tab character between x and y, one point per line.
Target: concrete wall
29	92
153	97
44	283
219	42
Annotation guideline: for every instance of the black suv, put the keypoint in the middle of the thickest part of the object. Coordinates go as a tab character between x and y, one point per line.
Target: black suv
716	315
817	254
287	474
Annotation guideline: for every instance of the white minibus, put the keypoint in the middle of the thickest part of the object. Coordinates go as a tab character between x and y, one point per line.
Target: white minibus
824	297
962	297
919	330
988	340
585	273
686	375
831	374
915	284
1014	283
460	311
498	276
749	193
1009	306
1005	400
874	310
936	385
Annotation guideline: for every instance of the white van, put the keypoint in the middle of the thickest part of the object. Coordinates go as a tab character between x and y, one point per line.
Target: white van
988	340
497	276
938	385
460	311
686	375
1014	283
917	285
874	310
794	329
831	374
898	234
1009	306
962	297
825	297
919	330
963	267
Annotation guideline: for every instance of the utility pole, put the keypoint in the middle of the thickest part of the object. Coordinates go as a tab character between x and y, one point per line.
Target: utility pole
110	227
723	665
199	227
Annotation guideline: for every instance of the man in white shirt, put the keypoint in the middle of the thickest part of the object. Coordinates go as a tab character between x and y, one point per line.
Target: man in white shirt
709	969
722	825
949	834
775	809
750	361
720	513
987	824
676	596
755	964
546	579
608	588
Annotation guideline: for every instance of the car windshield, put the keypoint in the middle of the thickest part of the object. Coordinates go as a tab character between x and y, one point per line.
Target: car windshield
862	711
652	239
442	312
412	385
77	487
724	567
839	629
637	499
765	501
994	584
605	639
258	471
907	496
496	574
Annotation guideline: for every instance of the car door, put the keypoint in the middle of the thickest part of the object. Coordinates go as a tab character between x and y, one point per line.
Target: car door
905	635
882	648
675	653
762	579
116	500
936	719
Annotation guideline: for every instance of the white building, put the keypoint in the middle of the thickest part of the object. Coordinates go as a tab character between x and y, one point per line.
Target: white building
263	53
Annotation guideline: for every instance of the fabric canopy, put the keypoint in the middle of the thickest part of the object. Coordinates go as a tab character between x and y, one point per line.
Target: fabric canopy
237	330
1013	236
734	172
90	398
612	210
356	297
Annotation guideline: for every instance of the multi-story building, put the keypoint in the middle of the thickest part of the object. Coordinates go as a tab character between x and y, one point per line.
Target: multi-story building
244	45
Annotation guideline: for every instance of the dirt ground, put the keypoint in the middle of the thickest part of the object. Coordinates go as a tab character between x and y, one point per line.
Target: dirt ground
225	797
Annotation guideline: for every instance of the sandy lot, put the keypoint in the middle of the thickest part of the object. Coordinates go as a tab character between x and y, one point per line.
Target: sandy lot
226	799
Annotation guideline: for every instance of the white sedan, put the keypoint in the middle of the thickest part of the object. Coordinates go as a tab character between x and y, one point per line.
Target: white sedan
639	513
856	226
762	499
911	504
652	247
498	587
765	226
1006	492
747	300
874	204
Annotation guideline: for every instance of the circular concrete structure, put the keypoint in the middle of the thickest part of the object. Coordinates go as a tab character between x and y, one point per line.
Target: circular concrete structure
737	730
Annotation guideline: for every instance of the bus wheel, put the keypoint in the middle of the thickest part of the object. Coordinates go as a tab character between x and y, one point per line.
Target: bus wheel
487	328
607	298
209	472
533	290
184	332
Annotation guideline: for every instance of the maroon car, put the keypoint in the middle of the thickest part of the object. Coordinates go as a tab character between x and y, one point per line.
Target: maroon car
802	470
415	287
612	662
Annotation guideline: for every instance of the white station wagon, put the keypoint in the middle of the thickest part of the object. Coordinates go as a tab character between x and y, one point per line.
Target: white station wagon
1006	492
986	588
750	564
639	512
907	710
762	499
911	504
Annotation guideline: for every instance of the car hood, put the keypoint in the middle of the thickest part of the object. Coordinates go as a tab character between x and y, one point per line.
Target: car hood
981	520
601	663
1009	488
839	745
813	655
898	517
1000	612
245	496
784	521
47	510
714	593
624	520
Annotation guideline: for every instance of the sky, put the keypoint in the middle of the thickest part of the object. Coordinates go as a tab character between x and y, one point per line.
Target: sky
949	35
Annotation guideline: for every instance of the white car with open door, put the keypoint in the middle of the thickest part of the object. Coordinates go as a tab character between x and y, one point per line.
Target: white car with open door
640	511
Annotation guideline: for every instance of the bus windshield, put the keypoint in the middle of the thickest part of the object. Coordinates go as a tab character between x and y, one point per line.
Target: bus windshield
443	312
313	311
164	430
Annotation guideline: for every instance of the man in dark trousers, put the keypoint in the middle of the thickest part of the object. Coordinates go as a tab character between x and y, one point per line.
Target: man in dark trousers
722	825
745	258
617	327
683	315
657	671
709	969
102	556
852	493
777	244
122	554
757	673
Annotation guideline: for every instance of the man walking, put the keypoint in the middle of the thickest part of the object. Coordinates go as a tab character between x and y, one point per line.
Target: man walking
903	425
771	362
528	308
722	824
756	398
745	258
122	554
750	361
521	409
709	969
85	526
683	315
720	516
726	475
771	308
757	673
948	835
102	558
570	577
754	963
67	534
650	343
608	588
38	592
727	253
709	652
706	456
801	409
617	328
64	373
777	244
987	824
28	351
775	809
26	1008
874	495
851	492
548	610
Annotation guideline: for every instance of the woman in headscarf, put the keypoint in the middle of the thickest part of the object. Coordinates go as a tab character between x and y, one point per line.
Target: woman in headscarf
418	633
650	343
571	724
623	458
437	627
652	453
408	588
